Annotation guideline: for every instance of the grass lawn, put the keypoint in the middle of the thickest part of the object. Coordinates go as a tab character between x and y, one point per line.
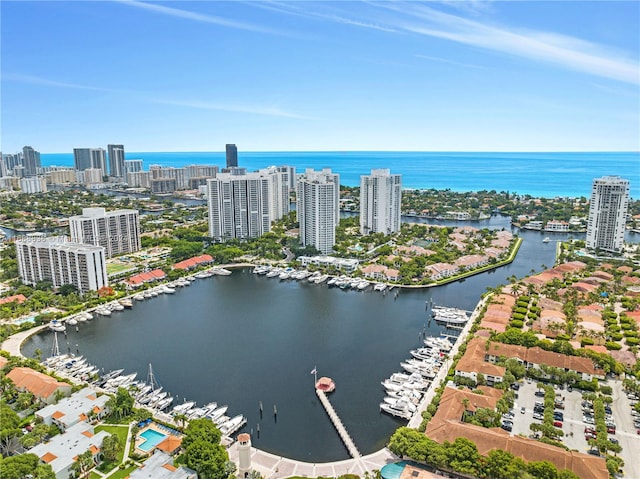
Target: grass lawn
93	475
121	431
122	473
116	268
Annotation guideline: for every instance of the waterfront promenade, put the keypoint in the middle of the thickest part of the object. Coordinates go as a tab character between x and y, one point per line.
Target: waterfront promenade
272	466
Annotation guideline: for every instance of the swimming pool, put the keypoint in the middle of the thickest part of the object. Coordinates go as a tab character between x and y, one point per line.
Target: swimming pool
152	439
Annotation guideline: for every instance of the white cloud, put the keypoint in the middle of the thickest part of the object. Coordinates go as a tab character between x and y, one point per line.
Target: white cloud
238	108
561	50
200	17
34	80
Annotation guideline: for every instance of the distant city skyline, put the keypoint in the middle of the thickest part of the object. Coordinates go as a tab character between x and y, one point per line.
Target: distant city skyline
321	76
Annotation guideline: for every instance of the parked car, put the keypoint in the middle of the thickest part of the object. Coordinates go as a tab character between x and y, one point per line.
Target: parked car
589	436
588	420
515	386
613	440
538	416
523	410
558	416
540	394
611	430
557	423
589	430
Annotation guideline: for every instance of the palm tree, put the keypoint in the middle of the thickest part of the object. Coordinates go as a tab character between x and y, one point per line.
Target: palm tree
83	464
181	419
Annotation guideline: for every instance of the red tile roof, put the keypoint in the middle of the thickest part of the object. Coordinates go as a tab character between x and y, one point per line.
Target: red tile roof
193	262
19	298
38	384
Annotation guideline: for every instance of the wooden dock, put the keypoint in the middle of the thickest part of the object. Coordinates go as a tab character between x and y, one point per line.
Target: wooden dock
342	431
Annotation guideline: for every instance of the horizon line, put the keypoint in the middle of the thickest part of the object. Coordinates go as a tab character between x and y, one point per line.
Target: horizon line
360	151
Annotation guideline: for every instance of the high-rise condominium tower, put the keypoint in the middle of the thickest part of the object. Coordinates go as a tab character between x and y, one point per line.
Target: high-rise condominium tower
380	200
117	231
243	205
318	208
31	161
116	160
84	158
61	262
232	155
607	213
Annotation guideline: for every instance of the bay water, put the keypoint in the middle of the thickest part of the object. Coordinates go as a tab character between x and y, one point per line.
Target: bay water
245	339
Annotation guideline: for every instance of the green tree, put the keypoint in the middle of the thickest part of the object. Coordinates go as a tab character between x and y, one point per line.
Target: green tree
502	465
542	470
202	450
9	429
84	463
111	447
24	465
463	455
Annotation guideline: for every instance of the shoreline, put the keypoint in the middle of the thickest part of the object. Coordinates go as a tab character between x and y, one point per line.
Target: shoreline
279	466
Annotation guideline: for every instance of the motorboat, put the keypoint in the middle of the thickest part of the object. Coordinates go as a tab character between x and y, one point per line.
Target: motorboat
165	403
126	303
362	285
399	409
221	271
380	287
218	413
182	408
71	321
232	425
57	326
138	297
168	290
394	401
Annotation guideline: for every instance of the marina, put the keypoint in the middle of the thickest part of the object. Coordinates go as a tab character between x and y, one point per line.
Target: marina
224	343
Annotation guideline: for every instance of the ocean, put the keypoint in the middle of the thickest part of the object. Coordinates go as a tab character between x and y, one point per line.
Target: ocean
544	175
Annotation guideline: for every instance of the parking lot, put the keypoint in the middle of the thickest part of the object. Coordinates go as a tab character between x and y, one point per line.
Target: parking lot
573	425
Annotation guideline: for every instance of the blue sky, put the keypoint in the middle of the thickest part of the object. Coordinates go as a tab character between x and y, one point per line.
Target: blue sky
302	75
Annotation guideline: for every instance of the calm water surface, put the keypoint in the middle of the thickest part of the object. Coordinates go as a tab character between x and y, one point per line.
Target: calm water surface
242	339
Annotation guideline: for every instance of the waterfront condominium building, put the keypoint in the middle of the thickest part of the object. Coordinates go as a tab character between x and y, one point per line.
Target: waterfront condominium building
318	208
61	262
30	161
243	205
118	231
84	158
232	155
380	200
607	213
116	160
132	166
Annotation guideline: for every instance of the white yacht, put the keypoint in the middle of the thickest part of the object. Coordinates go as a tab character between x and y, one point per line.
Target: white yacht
218	413
232	425
380	287
399	409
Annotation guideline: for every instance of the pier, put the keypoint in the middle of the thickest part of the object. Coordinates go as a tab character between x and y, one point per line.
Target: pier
342	431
